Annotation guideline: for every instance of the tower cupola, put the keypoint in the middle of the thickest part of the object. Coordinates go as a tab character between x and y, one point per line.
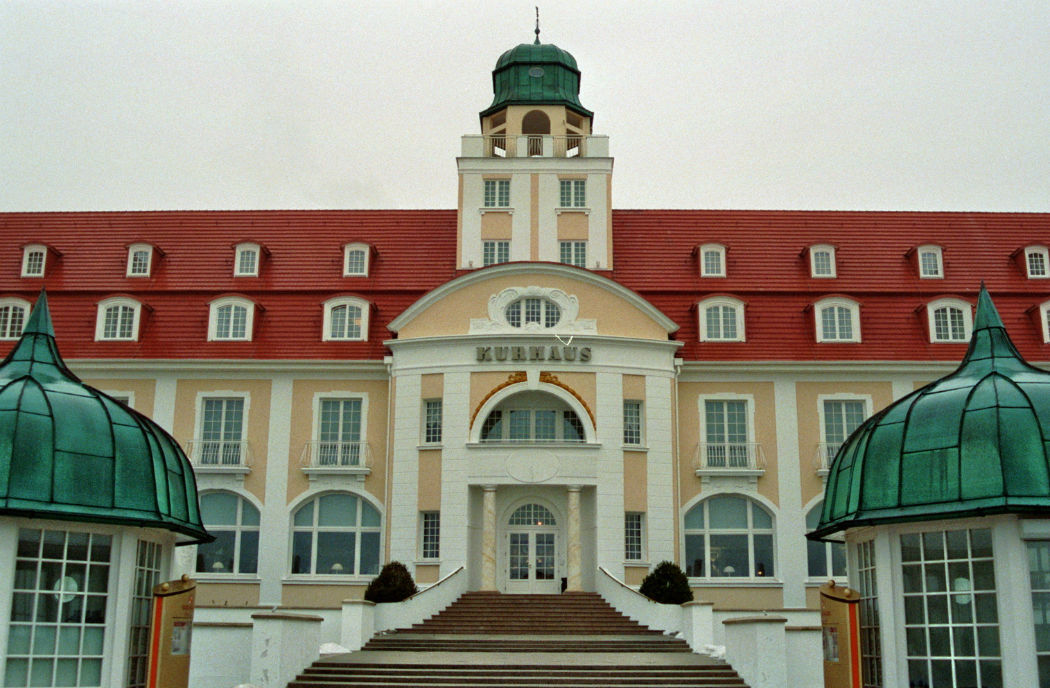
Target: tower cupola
536	74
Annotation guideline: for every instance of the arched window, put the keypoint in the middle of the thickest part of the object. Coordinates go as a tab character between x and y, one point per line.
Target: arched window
950	320
118	320
532	515
246	260
822	260
345	319
533	311
336	534
721	320
728	536
838	320
825	558
532	417
355	260
234	522
231	318
712	260
13	314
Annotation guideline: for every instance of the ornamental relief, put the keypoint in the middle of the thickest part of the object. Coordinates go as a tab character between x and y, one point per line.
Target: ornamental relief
497	322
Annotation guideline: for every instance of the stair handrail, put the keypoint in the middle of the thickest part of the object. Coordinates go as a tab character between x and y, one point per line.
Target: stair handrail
423	604
630	602
434	585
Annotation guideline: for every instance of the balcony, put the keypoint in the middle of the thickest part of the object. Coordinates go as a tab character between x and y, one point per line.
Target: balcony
336	458
220	456
535	146
734	460
826	452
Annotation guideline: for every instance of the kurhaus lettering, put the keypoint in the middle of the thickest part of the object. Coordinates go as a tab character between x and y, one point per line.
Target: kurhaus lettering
534	353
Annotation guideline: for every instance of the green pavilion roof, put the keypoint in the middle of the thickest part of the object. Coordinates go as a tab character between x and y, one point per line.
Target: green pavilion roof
69	452
536	74
973	443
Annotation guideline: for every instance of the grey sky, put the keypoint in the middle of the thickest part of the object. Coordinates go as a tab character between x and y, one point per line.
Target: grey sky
895	104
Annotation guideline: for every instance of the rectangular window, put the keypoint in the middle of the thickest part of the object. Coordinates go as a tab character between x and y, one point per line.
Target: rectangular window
1039	573
841	418
247	262
140	260
430	527
222	427
929	264
726	433
573	253
1037	263
870	642
497	193
57	638
949	325
633	541
573	193
494	252
432	421
713	263
721	322
147	574
33	262
951	618
12	318
339	433
632	422
118	323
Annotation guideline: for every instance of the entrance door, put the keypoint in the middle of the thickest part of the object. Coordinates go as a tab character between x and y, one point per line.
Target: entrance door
532	562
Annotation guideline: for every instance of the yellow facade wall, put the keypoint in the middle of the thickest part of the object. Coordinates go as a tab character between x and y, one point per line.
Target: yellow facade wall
256	430
429	488
573	226
634	387
635	482
555	113
227	594
320	596
143	391
756	598
496	226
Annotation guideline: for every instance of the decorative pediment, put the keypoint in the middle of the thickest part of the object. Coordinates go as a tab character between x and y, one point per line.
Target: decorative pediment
532	309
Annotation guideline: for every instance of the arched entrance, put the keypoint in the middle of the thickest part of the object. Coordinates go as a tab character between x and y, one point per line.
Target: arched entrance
530	550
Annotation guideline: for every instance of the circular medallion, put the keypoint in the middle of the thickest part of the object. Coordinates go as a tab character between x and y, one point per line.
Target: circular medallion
536	71
538	467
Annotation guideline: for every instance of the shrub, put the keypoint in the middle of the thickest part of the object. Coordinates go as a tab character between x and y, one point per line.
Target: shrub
393	584
667	584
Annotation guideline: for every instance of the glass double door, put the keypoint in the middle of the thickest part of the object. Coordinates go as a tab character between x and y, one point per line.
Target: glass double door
532	561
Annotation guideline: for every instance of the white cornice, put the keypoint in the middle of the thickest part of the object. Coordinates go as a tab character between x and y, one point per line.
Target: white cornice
84	366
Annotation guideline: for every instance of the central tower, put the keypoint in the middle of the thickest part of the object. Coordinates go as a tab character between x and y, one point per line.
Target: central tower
536	184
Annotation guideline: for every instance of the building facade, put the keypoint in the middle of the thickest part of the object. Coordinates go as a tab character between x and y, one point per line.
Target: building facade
531	386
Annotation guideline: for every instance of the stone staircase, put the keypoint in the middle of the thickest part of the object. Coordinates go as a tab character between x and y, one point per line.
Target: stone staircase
485	639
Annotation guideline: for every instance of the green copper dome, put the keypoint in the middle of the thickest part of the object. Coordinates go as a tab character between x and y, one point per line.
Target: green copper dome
536	74
975	442
69	452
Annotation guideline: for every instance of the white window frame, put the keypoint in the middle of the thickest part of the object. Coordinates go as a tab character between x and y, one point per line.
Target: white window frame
213	318
832	268
641	544
124	396
198	430
5	323
705	270
865	399
967	314
238	529
366	253
750	531
1044	319
721	302
829	550
31	250
937	255
242	250
521	306
574	190
426	531
315	431
314	529
432	435
500	193
577	252
750	412
118	302
350	302
133	269
1041	251
639	428
837	302
499	248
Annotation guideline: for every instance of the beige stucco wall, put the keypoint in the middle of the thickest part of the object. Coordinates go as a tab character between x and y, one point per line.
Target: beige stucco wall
496	225
144	391
634	387
451	315
257	426
689	410
431	386
573	226
741	598
320	596
634	575
515	113
807	396
227	594
635	482
304	429
427	573
429	489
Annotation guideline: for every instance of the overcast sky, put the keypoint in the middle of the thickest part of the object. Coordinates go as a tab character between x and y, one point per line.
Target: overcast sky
885	105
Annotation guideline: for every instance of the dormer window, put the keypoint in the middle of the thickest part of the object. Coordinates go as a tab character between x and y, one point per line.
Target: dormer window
118	320
140	260
1044	317
1036	262
931	264
231	319
34	260
345	319
13	314
822	260
712	260
950	320
246	260
721	320
837	320
355	260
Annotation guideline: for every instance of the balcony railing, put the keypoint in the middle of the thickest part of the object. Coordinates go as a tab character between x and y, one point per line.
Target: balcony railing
336	456
220	454
535	146
729	457
826	452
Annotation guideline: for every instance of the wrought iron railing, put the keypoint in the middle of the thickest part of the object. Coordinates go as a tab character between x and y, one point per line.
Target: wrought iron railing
535	145
826	452
336	455
220	453
743	456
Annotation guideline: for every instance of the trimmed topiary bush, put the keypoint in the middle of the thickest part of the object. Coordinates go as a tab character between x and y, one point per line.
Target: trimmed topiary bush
667	584
393	584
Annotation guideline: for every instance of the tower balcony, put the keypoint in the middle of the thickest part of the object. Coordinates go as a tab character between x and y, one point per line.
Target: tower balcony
535	146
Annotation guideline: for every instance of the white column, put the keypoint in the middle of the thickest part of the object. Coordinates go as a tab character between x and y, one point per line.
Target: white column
273	520
488	539
660	512
403	509
792	563
455	512
609	490
8	547
573	559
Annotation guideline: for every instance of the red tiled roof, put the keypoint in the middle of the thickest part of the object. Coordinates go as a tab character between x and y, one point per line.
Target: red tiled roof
415	252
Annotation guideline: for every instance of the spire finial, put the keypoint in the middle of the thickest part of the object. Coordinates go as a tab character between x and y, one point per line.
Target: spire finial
537	42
